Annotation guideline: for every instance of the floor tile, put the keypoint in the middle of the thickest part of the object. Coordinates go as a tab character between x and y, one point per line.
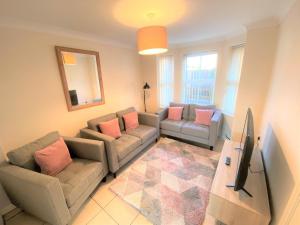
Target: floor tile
141	220
122	212
102	218
103	195
88	212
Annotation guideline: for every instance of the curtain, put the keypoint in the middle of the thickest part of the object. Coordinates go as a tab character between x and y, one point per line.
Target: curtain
166	80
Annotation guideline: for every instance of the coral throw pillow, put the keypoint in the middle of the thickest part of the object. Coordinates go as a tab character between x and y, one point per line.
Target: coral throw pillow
111	128
175	113
131	120
203	116
53	158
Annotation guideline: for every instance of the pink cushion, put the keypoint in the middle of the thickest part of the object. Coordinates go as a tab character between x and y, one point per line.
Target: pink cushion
203	116
53	158
131	120
175	113
111	128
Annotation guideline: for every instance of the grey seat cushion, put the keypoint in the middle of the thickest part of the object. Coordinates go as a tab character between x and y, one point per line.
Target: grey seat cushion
23	156
143	132
94	123
172	125
192	112
120	115
185	112
77	177
190	128
126	144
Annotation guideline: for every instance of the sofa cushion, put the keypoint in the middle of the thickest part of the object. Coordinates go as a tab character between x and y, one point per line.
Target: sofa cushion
196	130
94	123
120	115
192	112
185	112
111	128
53	158
131	120
23	156
172	125
77	177
143	132
175	113
126	144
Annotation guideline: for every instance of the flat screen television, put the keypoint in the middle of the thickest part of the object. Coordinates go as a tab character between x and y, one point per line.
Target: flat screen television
246	147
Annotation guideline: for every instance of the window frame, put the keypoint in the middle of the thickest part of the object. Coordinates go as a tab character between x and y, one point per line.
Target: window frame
183	63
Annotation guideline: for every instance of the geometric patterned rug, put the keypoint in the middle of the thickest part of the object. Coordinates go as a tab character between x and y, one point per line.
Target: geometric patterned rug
170	183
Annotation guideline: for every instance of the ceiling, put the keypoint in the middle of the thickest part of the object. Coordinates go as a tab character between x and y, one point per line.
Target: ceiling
117	20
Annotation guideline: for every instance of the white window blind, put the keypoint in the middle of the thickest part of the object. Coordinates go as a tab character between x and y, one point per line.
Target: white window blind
199	75
233	79
166	79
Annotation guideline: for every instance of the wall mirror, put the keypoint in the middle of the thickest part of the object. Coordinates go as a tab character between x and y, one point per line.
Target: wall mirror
81	77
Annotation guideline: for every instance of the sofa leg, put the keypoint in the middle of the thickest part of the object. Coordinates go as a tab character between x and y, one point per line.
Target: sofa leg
115	175
211	148
104	179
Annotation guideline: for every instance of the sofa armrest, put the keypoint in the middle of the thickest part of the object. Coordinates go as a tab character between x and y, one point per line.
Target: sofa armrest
163	114
149	119
215	127
109	143
38	194
88	149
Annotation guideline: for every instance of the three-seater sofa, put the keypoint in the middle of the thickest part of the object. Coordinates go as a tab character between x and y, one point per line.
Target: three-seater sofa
121	150
187	129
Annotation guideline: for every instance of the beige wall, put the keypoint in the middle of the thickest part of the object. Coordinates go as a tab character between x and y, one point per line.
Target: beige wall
31	94
281	121
255	77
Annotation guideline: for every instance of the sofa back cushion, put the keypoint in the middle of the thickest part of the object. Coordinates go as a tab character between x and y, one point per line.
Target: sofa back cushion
120	115
185	113
94	123
193	107
111	128
23	156
131	120
53	158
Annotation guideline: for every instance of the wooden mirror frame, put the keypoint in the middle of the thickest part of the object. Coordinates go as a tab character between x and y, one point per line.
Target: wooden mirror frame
59	50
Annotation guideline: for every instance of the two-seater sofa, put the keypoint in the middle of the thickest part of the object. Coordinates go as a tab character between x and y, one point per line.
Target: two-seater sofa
187	129
123	149
54	199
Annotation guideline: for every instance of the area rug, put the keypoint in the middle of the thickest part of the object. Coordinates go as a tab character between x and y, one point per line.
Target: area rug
170	183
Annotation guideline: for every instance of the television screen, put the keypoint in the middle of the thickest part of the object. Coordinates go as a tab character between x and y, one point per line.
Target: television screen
247	149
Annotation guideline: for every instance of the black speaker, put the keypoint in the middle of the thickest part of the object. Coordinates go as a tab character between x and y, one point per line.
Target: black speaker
73	97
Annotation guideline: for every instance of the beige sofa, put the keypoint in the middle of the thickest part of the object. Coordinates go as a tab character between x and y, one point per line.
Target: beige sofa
54	199
122	150
187	129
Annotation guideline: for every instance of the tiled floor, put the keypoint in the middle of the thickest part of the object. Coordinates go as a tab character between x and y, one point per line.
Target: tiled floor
105	208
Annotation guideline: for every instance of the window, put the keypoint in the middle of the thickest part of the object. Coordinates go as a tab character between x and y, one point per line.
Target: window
199	75
233	79
166	80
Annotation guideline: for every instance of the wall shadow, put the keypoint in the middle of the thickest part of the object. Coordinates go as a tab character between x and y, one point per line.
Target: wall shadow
280	180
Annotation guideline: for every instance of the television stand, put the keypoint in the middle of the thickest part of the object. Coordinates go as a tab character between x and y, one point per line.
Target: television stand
243	189
236	207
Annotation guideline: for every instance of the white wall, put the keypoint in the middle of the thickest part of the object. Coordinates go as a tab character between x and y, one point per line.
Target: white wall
281	121
31	94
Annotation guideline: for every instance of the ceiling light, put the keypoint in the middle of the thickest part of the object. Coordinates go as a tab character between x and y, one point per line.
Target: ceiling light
152	40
